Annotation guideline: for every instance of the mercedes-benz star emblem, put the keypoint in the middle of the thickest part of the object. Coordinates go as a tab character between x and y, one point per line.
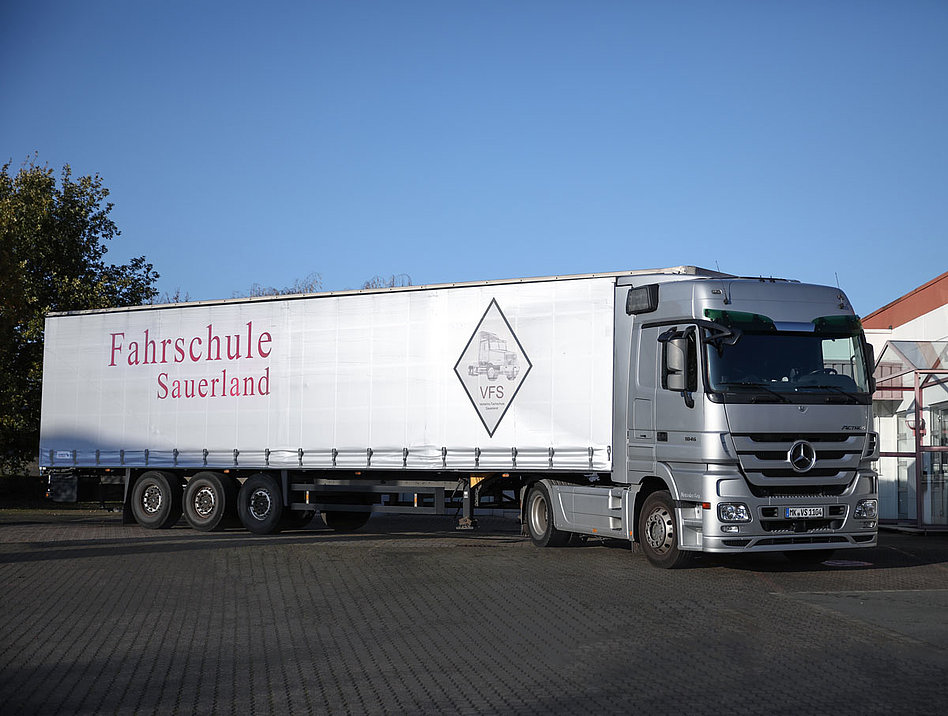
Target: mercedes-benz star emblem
802	456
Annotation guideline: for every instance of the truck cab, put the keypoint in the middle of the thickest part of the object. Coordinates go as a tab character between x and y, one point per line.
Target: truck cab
493	358
742	420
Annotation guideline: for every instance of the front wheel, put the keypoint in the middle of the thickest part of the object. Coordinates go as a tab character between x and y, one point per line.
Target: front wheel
539	513
658	532
260	504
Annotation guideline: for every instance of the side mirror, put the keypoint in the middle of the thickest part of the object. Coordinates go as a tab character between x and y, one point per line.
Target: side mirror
676	364
871	365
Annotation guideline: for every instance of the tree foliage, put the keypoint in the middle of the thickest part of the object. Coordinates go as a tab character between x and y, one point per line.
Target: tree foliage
311	284
393	281
169	297
314	283
52	258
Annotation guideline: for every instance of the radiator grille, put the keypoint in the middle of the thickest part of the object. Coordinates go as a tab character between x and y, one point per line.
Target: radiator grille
764	457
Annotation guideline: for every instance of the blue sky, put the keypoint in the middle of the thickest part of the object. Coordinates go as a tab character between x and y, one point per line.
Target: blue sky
249	142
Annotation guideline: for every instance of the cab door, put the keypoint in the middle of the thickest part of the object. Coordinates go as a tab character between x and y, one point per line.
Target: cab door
679	414
643	382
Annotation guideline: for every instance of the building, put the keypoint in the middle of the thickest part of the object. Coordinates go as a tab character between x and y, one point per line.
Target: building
910	339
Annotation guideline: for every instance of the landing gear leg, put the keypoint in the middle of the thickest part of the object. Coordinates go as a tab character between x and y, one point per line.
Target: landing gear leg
467	520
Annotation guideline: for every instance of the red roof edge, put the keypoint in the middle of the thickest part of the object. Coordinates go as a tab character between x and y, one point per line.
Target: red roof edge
918	302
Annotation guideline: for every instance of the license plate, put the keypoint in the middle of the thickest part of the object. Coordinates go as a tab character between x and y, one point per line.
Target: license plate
796	513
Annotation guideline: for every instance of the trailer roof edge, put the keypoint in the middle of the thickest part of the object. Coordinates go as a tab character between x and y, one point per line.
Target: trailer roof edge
692	271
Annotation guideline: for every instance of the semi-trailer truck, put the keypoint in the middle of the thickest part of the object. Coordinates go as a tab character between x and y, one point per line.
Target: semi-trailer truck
683	410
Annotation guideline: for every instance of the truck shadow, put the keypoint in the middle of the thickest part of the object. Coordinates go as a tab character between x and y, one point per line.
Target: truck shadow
894	551
137	540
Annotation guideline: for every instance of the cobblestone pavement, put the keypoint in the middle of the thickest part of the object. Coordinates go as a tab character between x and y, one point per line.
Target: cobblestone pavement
408	616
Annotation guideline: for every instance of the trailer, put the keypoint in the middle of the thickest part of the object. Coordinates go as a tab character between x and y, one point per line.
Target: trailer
683	410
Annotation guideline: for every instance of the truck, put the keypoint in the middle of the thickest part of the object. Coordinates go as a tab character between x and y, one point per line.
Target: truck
680	410
493	358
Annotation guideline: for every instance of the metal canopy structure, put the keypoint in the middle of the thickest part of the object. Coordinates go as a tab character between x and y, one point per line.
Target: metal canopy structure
912	389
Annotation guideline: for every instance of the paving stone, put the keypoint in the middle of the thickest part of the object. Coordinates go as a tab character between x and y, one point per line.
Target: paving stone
408	616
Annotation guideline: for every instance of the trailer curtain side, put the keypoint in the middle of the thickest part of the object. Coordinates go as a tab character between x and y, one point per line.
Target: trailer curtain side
466	378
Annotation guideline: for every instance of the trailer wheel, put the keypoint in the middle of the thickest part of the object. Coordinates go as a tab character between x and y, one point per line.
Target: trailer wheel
540	519
260	505
210	499
345	521
156	500
658	532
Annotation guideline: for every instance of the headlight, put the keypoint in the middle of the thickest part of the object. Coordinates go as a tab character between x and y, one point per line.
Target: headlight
733	512
866	510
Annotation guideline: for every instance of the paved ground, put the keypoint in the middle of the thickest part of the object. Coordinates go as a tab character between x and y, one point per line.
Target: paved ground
408	616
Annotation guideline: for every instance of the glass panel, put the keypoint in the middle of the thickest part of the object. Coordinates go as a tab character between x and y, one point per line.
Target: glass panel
906	468
934	494
801	364
935	471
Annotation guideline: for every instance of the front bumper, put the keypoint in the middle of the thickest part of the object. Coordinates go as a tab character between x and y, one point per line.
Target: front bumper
814	521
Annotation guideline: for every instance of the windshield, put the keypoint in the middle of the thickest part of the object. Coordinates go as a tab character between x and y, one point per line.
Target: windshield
789	365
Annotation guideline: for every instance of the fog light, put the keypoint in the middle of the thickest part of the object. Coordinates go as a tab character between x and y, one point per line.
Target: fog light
866	510
733	512
732	529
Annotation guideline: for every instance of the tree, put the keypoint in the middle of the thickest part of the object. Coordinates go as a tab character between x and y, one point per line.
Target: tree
311	284
314	283
393	281
52	249
168	297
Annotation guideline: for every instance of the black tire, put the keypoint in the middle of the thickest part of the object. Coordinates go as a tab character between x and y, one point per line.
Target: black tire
297	519
810	556
539	516
658	532
210	501
345	521
260	505
156	500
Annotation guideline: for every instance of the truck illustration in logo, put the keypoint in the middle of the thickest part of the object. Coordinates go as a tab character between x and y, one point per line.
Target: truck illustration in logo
493	358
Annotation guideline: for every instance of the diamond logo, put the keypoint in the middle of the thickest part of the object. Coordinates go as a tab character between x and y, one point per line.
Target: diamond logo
492	367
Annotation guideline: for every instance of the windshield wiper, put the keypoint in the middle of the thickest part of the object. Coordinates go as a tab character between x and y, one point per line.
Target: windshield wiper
835	388
761	386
